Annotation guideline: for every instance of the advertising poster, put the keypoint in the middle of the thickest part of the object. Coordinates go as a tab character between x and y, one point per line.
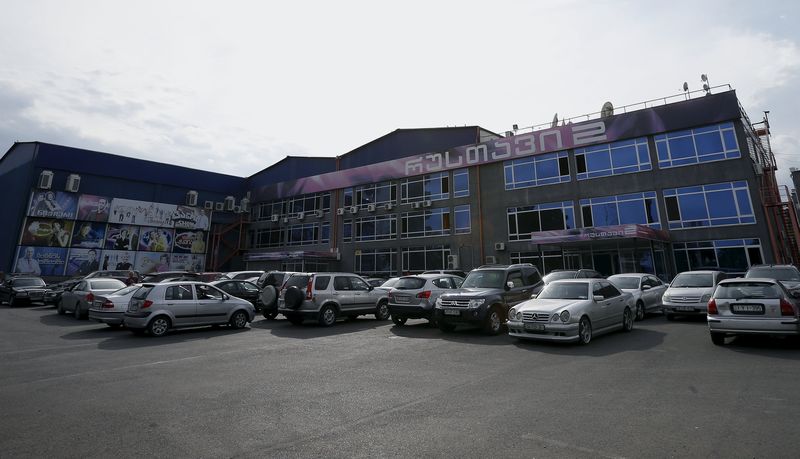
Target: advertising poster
122	237
53	204
188	262
141	212
93	208
152	262
118	259
81	262
88	235
155	239
186	217
40	261
189	241
46	232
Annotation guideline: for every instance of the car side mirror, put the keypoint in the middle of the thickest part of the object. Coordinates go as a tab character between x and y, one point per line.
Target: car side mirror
598	298
646	287
225	297
370	288
509	285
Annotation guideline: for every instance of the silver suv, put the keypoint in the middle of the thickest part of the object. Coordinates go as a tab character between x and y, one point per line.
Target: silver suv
156	308
326	296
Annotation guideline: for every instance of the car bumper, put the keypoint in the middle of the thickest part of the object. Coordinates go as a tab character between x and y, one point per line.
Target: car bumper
136	320
465	315
751	326
689	309
106	317
410	311
551	332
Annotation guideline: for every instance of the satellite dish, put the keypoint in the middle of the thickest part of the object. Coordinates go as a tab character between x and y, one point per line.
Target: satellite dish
607	110
685	86
555	121
703	77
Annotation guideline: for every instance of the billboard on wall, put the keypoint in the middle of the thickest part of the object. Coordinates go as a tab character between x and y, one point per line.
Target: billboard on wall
186	217
53	204
48	232
81	262
188	262
40	261
88	235
189	241
118	259
152	262
93	208
141	212
122	237
153	239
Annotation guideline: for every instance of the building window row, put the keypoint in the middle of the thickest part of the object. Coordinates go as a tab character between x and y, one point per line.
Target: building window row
418	259
733	255
292	206
373	193
434	222
304	234
717	204
372	228
635	208
376	262
537	170
524	221
692	146
615	158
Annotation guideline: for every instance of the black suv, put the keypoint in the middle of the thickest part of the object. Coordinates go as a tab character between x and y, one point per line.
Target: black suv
486	296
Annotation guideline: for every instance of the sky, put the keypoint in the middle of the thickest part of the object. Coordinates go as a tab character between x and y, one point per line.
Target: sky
235	86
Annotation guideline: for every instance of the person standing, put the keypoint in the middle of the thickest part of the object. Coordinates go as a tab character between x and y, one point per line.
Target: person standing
27	264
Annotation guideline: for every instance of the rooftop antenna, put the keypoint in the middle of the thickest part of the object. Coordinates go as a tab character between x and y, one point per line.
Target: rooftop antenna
686	89
706	87
555	121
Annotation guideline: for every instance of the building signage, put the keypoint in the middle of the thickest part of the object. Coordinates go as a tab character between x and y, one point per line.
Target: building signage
599	233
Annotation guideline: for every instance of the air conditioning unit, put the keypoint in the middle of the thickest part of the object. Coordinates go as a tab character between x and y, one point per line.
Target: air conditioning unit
370	207
218	206
276	218
340	211
416	205
452	262
389	206
191	198
490	260
499	246
319	213
73	183
230	202
353	209
301	215
45	180
208	205
427	203
244	203
237	209
285	219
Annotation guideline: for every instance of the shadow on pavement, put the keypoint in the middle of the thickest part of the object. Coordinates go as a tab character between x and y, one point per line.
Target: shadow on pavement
463	334
310	329
67	320
769	346
125	339
612	343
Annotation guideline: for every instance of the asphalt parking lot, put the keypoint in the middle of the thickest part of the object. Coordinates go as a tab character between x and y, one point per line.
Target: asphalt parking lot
368	389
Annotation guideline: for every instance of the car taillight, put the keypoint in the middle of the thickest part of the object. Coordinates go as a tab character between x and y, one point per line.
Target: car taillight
108	305
89	297
146	304
308	288
712	307
786	308
426	294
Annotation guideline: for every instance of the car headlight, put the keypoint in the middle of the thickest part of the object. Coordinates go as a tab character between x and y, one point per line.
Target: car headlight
705	298
565	316
666	297
512	314
476	303
22	293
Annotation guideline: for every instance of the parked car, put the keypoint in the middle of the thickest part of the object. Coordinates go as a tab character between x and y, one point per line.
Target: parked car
558	274
787	275
270	284
209	276
752	306
646	290
53	292
388	284
375	281
324	297
158	308
413	297
454	272
172	275
689	292
241	275
119	274
573	310
240	289
22	290
77	299
110	308
486	295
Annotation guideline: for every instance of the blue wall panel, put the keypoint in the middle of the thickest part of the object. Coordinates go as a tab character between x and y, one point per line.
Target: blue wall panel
16	172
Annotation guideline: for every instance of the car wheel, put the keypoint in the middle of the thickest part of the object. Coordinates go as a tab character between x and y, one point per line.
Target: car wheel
382	311
399	321
493	323
158	326
294	319
327	316
270	315
446	327
718	339
238	320
11	300
584	330
670	317
60	308
640	310
627	320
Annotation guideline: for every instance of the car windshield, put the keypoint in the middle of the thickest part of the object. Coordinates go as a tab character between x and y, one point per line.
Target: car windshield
142	292
490	278
693	280
30	282
409	283
299	281
781	274
740	290
628	282
558	275
565	291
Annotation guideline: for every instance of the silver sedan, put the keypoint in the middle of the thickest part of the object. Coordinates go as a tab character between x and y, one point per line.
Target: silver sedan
78	299
646	289
572	310
110	309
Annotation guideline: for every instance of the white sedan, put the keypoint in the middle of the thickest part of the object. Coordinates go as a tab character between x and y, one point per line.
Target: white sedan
647	291
572	310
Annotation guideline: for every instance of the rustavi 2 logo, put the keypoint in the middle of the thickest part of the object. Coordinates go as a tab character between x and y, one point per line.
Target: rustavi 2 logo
537	142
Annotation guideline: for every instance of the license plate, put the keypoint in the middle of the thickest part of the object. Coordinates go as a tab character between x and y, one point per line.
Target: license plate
534	327
748	308
684	308
402	299
452	312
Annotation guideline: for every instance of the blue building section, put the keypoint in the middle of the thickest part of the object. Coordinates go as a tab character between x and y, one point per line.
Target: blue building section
291	168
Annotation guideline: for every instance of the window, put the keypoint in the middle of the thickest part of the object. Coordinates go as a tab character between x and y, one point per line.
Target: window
515	277
375	228
463	221
206	292
608	290
179	293
321	282
373	193
444	282
418	259
636	208
304	234
692	146
347	231
531	276
537	170
325	233
273	237
358	284
732	255
303	203
431	187
341	283
460	183
376	262
716	204
435	222
613	158
524	221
